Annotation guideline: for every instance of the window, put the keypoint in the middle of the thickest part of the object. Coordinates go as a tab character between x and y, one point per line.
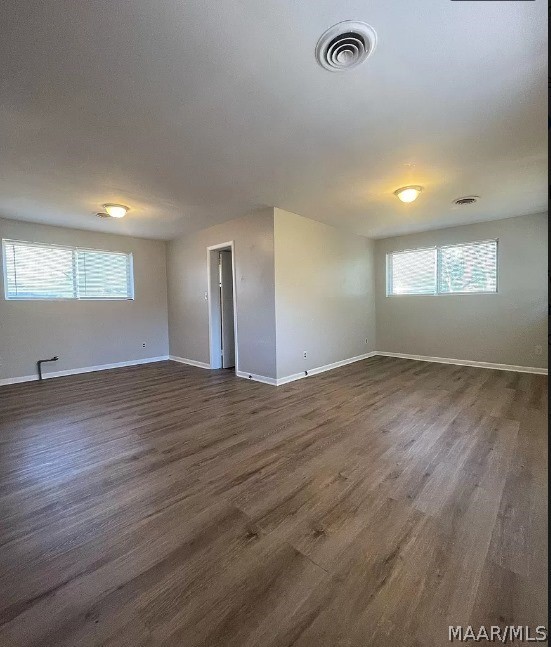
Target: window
412	272
103	275
451	269
468	268
36	271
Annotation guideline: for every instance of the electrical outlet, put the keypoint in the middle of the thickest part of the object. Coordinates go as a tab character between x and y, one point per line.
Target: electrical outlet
305	354
144	344
206	296
538	350
366	340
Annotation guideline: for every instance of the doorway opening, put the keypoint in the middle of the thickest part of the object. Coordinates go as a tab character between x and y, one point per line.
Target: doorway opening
222	306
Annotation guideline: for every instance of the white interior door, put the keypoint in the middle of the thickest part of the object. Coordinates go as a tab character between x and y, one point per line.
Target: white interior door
226	307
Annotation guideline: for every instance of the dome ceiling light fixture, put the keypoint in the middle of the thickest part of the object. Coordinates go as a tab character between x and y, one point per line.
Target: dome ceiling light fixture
408	193
116	210
345	45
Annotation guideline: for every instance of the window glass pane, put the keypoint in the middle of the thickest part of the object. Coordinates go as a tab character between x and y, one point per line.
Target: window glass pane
38	272
412	272
34	271
468	268
103	275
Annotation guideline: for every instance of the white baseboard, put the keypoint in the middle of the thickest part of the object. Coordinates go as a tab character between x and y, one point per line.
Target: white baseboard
282	380
17	380
243	374
84	369
467	362
299	376
322	369
190	362
257	378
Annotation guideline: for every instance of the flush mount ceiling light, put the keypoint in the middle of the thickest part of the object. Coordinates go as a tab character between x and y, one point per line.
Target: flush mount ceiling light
116	210
408	193
345	45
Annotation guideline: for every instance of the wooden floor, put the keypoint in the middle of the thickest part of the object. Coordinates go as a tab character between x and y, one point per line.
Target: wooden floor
373	505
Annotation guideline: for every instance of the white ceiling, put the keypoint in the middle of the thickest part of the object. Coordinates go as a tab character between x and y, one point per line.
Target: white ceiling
194	112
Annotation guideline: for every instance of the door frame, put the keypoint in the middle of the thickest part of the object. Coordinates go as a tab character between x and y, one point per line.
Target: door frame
213	290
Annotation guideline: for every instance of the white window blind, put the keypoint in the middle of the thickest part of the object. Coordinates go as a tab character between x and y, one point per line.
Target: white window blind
36	271
412	272
103	275
450	269
468	268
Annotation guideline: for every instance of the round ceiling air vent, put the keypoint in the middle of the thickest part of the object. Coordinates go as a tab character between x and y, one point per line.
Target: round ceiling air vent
345	45
466	200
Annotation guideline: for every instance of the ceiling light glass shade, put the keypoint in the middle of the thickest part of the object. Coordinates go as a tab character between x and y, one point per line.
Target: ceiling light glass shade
116	210
408	193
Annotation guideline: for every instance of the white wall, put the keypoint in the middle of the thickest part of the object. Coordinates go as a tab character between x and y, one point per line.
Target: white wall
324	286
85	333
504	328
253	237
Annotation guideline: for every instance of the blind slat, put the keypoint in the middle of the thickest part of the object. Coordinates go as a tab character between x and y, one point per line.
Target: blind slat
34	271
413	272
450	269
468	268
103	275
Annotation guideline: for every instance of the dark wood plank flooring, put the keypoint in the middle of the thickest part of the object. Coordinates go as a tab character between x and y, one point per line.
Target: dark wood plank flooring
373	505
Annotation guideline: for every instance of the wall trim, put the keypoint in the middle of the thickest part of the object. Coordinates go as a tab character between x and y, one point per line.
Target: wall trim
257	378
467	362
422	358
322	369
17	380
282	380
84	369
190	362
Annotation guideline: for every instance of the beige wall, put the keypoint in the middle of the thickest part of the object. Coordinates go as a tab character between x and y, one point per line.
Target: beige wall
324	294
504	328
253	237
85	333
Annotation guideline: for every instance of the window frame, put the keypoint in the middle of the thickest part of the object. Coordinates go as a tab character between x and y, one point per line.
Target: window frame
437	292
74	250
